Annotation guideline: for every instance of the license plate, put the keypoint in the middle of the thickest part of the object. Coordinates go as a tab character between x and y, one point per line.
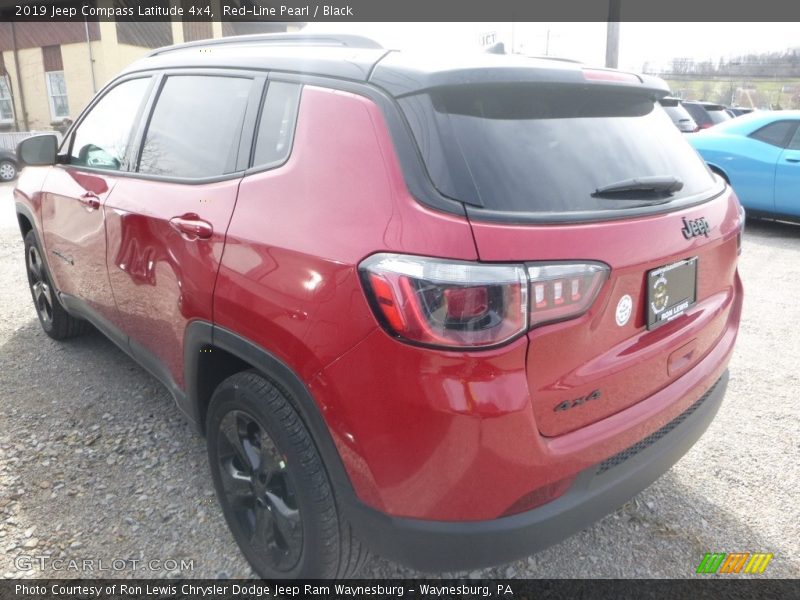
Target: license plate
671	289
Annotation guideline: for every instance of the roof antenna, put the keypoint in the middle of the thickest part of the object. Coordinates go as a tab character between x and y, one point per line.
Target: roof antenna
498	48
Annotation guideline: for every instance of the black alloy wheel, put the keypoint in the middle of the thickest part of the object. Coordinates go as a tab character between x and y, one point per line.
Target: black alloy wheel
272	485
40	286
55	320
260	495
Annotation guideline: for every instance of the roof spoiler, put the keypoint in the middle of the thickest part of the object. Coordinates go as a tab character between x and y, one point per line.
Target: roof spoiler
279	39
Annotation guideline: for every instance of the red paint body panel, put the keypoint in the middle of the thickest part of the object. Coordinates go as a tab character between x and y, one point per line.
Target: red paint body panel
449	436
627	363
161	280
425	433
288	280
28	191
75	236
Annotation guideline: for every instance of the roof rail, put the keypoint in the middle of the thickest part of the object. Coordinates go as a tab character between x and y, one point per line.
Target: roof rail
280	39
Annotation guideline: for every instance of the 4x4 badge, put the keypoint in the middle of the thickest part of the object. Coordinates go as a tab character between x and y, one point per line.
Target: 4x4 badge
567	404
695	227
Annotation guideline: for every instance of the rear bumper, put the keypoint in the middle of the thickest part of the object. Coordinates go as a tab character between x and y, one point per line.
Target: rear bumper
597	491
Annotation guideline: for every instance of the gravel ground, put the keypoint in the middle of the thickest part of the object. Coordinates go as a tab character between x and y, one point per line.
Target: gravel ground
97	463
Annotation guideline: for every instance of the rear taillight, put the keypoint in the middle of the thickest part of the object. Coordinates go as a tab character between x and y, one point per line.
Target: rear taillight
563	290
456	304
447	303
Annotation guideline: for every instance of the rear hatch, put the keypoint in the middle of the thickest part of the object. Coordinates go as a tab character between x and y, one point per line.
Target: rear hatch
717	113
679	115
565	176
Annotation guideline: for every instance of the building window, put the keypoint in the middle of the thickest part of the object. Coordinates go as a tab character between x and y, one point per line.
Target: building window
57	93
145	34
56	84
6	104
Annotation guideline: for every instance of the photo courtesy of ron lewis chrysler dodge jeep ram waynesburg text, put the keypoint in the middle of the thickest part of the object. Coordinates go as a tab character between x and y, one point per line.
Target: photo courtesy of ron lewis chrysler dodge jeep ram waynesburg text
449	310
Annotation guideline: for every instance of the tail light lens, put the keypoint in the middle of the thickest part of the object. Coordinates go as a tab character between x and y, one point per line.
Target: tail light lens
563	290
456	304
610	75
447	303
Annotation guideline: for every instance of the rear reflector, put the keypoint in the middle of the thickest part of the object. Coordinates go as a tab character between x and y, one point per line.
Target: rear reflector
539	496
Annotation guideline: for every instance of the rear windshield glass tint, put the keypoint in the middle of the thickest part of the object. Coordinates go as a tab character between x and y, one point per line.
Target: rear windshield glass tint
677	113
718	115
538	148
698	113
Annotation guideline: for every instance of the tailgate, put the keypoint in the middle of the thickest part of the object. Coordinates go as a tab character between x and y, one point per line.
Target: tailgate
584	369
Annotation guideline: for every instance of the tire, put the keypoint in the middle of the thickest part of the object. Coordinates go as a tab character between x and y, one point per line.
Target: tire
273	487
56	322
8	170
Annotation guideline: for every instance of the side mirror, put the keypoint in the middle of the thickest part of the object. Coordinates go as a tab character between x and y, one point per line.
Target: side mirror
38	150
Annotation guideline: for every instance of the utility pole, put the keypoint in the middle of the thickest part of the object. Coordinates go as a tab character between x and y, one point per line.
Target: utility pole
612	34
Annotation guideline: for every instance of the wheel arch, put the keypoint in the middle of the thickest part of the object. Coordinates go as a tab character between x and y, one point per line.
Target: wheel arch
26	220
213	353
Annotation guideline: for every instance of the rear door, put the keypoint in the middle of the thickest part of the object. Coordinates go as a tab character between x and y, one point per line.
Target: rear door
787	178
75	192
630	288
166	225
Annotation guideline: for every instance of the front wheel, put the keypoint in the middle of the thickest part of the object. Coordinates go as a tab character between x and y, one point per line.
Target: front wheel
272	486
56	322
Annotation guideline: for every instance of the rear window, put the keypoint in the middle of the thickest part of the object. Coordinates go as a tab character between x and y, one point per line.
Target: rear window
699	114
718	114
540	148
677	112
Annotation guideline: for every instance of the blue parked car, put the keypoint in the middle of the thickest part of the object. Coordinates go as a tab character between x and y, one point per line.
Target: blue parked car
759	155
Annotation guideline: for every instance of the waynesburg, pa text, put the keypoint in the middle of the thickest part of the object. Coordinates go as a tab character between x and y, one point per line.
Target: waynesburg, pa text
258	590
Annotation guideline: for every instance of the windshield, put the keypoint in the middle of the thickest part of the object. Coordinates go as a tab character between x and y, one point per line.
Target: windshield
547	147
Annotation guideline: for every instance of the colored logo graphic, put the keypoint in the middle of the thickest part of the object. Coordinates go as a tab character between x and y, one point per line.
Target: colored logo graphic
737	562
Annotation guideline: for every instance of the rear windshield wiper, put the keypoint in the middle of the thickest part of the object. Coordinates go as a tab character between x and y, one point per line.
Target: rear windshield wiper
658	184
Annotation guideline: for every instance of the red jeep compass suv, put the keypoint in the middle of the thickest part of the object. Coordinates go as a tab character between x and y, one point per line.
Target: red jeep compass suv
447	310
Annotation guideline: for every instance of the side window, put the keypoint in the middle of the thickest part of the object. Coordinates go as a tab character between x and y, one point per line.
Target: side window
101	140
795	143
774	133
196	126
276	126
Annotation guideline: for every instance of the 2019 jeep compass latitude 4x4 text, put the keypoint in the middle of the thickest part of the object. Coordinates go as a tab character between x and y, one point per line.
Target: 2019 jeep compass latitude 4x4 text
449	310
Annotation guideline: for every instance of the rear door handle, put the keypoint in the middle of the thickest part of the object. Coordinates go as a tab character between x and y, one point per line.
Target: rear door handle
192	227
89	200
793	159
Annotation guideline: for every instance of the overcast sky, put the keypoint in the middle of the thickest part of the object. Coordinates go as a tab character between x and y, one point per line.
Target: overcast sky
640	43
